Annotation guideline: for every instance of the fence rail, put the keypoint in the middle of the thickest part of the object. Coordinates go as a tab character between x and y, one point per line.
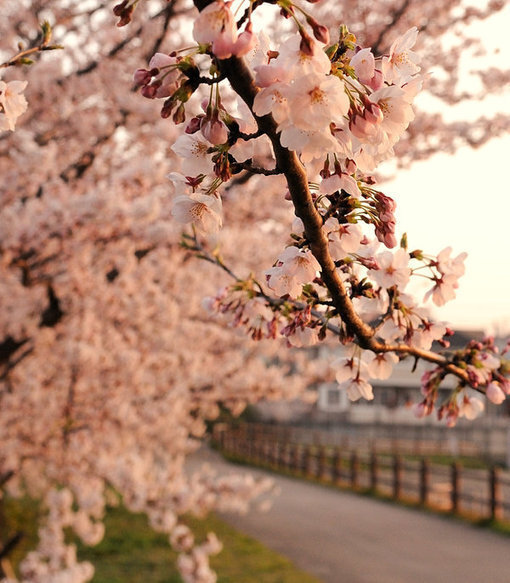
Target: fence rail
479	494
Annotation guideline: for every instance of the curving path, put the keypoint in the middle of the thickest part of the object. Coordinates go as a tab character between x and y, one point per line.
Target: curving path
344	538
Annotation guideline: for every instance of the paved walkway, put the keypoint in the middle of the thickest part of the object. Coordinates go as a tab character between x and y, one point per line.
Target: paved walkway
345	538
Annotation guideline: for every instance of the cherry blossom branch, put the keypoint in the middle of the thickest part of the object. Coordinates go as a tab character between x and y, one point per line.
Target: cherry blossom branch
257	170
288	162
21	58
12	364
395	17
242	81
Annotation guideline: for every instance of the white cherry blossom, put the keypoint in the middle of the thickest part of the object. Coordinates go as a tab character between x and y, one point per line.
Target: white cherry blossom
393	269
193	151
495	393
12	103
343	238
315	101
402	62
203	210
379	366
295	267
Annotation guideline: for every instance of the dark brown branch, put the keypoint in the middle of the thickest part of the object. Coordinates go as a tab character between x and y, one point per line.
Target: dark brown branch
5	477
395	17
257	170
11	364
10	545
169	12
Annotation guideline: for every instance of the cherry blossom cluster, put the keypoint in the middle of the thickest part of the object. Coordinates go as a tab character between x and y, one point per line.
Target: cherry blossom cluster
100	303
485	365
12	101
340	110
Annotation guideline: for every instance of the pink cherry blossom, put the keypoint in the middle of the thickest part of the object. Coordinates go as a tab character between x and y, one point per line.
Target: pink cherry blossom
343	238
193	151
393	269
364	65
358	388
303	336
379	366
273	99
12	103
495	393
295	267
402	62
340	182
204	211
316	100
396	109
470	407
215	23
299	63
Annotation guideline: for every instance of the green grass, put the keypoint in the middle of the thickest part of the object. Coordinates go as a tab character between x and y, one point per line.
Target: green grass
132	552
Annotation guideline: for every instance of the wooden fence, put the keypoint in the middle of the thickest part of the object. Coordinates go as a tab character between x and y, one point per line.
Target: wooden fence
476	493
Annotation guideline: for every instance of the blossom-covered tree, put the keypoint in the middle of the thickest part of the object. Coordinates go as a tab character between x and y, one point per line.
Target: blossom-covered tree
110	364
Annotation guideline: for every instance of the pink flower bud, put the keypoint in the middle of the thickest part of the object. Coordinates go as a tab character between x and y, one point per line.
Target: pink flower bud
306	45
245	43
320	32
149	91
373	114
214	130
142	77
160	61
167	108
495	394
179	115
377	81
389	240
118	9
194	125
360	127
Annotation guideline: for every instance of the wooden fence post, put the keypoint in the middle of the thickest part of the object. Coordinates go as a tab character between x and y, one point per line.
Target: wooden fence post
276	455
495	494
285	456
336	472
320	472
354	469
308	461
302	460
294	457
374	470
455	487
397	477
424	481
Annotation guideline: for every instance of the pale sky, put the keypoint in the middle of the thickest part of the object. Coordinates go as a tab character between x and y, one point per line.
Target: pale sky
463	201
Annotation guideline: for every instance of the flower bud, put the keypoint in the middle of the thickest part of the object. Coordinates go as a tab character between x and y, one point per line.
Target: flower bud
320	32
149	91
124	12
373	113
306	44
179	115
214	130
119	8
246	41
142	77
377	81
168	107
194	125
